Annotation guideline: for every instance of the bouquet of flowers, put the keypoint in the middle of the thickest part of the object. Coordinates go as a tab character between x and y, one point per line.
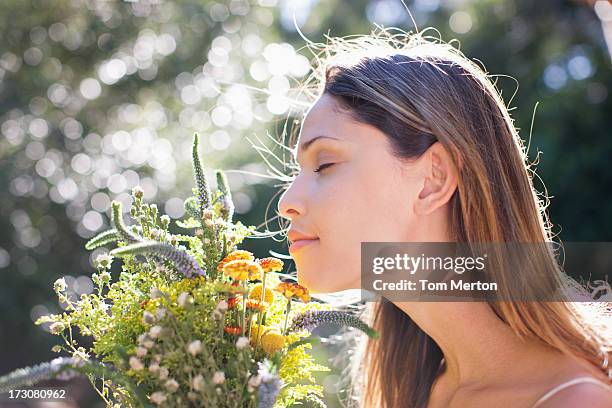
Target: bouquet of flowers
191	320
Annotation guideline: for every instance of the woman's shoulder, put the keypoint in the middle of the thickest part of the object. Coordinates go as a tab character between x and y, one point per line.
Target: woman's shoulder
580	391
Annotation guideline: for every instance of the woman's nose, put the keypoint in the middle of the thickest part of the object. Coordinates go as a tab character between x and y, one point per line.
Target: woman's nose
288	206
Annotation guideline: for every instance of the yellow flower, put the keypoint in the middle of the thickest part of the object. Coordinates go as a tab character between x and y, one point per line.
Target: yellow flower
234	255
257	330
270	264
242	269
272	341
256	293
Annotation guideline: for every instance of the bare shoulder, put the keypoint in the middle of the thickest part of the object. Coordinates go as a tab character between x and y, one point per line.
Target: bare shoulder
586	394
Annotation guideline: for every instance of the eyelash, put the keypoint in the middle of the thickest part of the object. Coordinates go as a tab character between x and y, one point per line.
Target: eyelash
323	167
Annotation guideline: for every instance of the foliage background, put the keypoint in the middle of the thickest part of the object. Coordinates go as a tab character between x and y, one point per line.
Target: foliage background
99	96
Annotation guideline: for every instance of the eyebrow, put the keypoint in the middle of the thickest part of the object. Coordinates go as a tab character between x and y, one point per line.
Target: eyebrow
306	145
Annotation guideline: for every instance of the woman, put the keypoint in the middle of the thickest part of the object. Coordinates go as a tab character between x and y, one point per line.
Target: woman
409	141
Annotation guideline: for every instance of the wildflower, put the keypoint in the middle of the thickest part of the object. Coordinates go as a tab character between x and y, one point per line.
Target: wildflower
237	254
256	292
242	342
291	289
141	351
158	397
59	285
57	327
310	319
218	377
160	313
222	306
183	299
194	347
257	330
155	331
270	264
155	293
171	385
269	387
215	314
253	383
147	317
104	261
135	363
233	301
257	305
272	341
232	330
197	383
148	343
137	192
241	269
154	367
163	373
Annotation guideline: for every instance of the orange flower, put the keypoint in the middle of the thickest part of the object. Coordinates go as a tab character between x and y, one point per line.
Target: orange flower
257	304
233	330
233	301
242	269
270	264
232	256
290	289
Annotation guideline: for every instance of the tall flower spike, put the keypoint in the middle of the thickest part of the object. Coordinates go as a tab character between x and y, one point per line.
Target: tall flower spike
60	368
117	221
181	260
227	204
311	319
103	238
200	177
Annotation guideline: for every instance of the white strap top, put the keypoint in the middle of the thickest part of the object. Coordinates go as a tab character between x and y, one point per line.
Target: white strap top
569	383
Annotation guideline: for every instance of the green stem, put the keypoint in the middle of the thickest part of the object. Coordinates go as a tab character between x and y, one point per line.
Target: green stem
287	316
260	314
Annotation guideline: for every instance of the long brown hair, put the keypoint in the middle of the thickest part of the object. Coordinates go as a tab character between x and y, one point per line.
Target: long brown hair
419	90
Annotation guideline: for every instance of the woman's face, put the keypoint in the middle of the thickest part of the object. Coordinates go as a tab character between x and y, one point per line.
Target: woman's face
362	193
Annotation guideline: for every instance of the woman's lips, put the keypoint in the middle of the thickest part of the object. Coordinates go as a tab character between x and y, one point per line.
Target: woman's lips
300	243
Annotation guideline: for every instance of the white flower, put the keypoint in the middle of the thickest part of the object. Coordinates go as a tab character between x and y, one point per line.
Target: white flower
222	306
59	285
171	385
216	314
157	397
218	377
197	383
163	373
104	260
154	367
160	313
183	299
135	363
194	347
253	383
142	338
242	342
155	331
57	327
155	293
147	317
148	343
141	351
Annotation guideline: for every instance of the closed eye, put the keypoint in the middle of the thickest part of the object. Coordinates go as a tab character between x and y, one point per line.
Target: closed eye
323	167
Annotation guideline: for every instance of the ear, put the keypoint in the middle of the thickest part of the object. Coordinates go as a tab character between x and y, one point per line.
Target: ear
440	180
